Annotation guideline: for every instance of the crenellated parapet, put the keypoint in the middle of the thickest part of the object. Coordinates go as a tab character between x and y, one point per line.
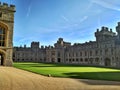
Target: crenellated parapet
104	34
35	45
5	6
105	31
7	12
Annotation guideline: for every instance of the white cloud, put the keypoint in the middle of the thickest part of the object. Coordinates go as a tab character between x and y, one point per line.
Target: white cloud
108	4
83	19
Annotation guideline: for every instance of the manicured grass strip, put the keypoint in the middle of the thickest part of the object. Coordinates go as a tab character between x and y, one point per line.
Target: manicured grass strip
71	71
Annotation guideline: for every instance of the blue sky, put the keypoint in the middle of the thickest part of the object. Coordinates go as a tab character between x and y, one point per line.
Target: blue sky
74	20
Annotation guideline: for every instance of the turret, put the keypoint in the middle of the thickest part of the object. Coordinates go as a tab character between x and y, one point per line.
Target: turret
118	30
35	45
62	43
104	34
7	12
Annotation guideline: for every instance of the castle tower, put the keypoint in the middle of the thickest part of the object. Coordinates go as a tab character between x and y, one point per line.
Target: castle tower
118	30
6	33
35	45
104	34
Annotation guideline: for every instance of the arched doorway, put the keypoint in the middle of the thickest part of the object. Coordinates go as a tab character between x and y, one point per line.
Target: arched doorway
107	62
1	59
59	60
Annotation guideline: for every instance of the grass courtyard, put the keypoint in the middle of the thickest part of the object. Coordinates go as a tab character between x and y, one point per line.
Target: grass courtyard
71	71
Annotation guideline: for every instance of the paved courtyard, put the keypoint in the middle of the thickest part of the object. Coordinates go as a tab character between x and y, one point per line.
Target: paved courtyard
16	79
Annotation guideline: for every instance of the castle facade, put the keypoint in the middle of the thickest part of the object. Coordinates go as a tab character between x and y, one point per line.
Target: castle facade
105	51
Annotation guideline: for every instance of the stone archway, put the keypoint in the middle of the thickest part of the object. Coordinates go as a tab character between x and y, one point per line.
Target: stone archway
1	59
107	62
59	60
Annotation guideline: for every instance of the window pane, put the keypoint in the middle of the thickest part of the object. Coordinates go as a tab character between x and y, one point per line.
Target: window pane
0	14
2	36
3	43
1	31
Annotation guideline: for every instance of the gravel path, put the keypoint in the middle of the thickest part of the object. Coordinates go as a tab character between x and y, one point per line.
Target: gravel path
16	79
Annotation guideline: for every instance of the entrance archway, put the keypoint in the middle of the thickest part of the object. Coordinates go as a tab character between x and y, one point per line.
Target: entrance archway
59	60
107	62
1	59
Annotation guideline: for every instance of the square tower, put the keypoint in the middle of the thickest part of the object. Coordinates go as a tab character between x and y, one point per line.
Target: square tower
6	33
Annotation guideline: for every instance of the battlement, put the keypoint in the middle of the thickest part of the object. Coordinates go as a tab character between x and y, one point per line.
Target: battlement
35	45
105	31
35	42
8	7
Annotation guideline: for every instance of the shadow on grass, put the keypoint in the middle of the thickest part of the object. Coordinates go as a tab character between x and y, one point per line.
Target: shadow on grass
96	77
61	65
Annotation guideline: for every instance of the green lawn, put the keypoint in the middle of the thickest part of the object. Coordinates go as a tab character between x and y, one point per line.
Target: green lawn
72	71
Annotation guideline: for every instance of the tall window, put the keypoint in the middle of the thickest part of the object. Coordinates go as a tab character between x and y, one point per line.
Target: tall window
80	53
90	53
2	36
100	52
96	52
106	51
85	53
58	54
112	51
0	14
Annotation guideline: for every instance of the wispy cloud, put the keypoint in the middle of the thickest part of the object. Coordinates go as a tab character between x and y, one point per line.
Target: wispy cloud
83	19
29	10
75	25
107	4
64	18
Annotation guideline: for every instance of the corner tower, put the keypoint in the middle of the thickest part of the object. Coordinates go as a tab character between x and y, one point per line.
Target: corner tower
118	30
6	33
104	34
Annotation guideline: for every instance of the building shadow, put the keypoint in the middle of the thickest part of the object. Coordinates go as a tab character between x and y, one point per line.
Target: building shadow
96	78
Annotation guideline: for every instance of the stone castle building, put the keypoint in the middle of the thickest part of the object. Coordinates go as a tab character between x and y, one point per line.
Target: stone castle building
6	33
105	51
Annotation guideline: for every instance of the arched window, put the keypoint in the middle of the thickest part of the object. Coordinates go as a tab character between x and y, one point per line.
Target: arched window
2	36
